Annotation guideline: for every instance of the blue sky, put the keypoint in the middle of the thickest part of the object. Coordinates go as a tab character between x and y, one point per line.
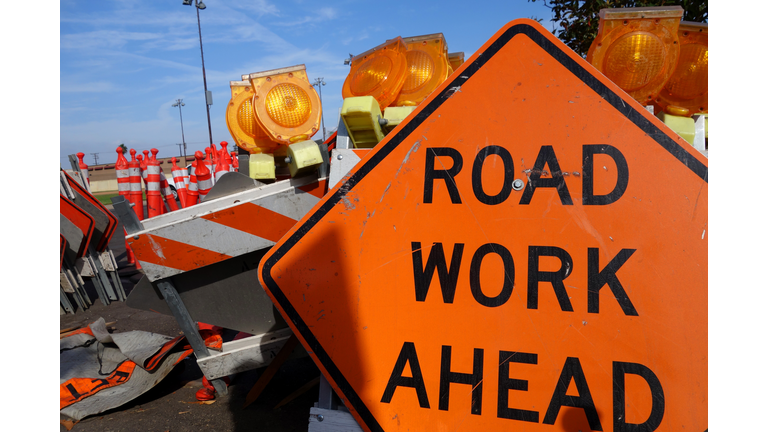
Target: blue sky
124	63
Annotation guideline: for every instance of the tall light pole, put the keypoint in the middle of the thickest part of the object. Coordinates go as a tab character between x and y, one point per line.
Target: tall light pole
180	104
320	83
199	5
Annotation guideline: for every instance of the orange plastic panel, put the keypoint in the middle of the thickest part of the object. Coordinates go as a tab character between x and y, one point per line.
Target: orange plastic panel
427	68
437	293
241	120
688	87
379	72
286	105
637	48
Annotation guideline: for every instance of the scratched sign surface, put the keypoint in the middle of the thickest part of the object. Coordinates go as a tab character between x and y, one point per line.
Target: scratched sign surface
436	294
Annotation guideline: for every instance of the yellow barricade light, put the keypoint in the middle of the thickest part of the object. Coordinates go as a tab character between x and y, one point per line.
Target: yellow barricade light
361	117
683	126
686	93
379	72
261	166
455	59
427	58
394	116
241	121
303	157
285	104
637	48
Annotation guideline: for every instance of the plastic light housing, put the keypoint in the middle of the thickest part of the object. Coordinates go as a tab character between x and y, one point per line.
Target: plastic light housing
687	91
379	72
285	104
241	120
427	59
455	59
637	48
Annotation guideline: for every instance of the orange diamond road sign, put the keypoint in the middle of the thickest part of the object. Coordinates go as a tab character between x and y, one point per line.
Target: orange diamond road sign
528	250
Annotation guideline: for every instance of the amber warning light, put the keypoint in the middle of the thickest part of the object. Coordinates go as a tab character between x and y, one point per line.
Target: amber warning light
637	48
275	113
686	92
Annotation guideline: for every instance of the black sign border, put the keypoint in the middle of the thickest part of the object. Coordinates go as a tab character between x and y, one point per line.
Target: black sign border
619	103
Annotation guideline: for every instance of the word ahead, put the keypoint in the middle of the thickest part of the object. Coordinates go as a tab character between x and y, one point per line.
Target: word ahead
571	372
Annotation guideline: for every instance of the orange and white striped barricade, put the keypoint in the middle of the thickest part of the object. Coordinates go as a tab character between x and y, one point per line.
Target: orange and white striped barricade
212	249
77	228
136	196
203	174
100	261
84	171
178	179
152	181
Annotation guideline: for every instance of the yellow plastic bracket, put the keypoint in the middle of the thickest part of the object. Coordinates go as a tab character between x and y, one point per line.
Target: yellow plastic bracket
261	166
395	115
683	126
304	157
361	117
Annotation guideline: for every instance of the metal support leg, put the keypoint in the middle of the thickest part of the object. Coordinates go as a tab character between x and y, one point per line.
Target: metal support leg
116	277
118	285
100	290
65	301
188	326
99	273
326	399
79	287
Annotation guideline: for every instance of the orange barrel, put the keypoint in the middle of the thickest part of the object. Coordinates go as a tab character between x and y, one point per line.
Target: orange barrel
224	153
123	180
84	171
152	180
165	188
178	178
192	194
134	176
222	167
203	174
209	163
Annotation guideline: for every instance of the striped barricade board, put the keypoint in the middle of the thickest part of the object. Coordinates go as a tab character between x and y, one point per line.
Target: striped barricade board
229	226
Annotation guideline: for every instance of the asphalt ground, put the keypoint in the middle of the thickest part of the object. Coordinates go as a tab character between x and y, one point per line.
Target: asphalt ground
171	405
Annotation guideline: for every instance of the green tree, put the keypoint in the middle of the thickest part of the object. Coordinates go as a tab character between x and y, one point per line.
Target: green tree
579	19
124	148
